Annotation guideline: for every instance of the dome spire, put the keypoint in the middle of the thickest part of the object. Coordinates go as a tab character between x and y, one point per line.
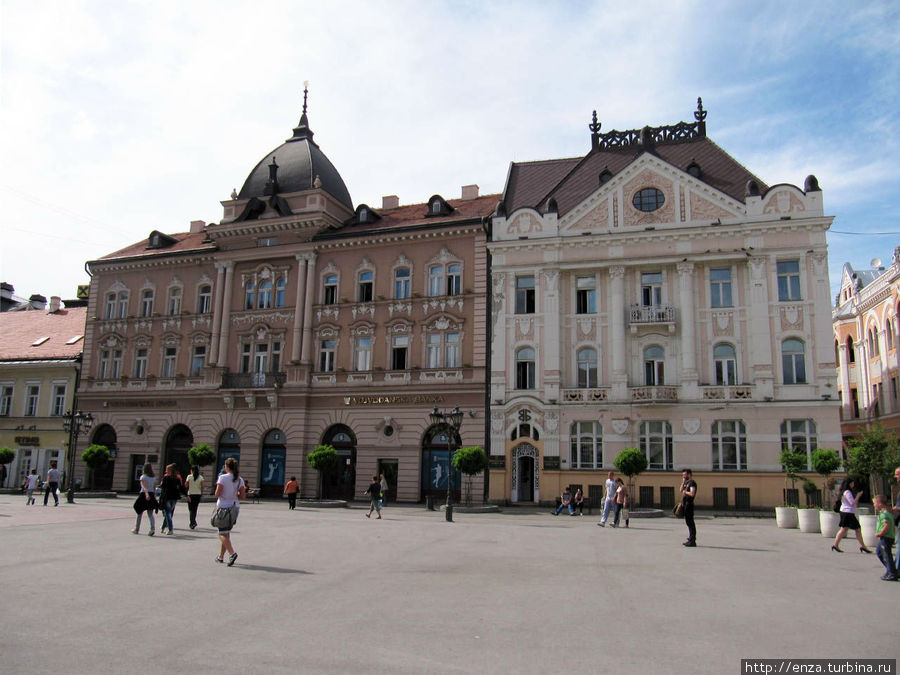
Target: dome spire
302	130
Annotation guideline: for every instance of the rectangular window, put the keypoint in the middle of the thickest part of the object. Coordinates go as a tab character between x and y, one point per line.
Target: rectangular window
168	364
140	363
800	435
115	364
451	350
399	352
174	301
103	365
204	300
32	393
110	311
656	443
729	445
362	358
586	445
720	288
435	280
122	302
433	350
365	292
401	283
146	303
651	289
525	295
58	407
454	279
329	296
326	356
276	356
788	280
585	295
198	360
246	351
6	395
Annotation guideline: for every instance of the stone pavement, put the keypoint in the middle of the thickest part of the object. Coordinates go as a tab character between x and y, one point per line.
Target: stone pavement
328	591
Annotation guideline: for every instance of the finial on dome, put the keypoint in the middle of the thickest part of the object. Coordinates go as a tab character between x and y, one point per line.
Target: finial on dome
305	92
302	130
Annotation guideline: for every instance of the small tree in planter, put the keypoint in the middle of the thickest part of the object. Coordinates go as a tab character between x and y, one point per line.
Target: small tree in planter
825	462
471	461
95	457
630	462
323	458
201	455
793	461
6	456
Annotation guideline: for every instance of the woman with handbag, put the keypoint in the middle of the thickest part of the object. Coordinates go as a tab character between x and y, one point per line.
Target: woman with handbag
849	502
146	501
230	489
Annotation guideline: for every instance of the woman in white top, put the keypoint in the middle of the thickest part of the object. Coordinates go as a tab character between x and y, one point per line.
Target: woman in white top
230	489
194	484
146	500
849	502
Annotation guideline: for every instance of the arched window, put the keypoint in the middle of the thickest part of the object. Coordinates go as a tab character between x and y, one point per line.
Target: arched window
525	430
725	364
587	368
525	375
851	353
874	349
654	366
889	334
793	361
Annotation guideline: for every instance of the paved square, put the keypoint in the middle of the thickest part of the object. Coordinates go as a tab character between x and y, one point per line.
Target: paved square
328	591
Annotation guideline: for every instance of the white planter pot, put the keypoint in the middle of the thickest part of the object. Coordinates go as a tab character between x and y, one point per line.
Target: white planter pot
867	525
809	520
786	516
829	523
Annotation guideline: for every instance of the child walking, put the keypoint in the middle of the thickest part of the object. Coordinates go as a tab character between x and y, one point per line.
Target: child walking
886	532
31	481
374	492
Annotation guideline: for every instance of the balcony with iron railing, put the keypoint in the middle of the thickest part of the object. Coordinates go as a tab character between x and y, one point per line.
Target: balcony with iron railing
269	380
651	314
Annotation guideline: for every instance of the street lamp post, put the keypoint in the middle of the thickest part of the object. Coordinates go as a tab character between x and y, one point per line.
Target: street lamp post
450	422
73	424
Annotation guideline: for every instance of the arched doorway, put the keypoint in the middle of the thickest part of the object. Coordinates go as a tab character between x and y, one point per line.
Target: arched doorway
271	471
103	477
229	446
436	464
340	483
525	474
178	441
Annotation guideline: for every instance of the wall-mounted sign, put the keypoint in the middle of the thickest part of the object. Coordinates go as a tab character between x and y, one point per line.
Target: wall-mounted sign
138	403
28	440
396	399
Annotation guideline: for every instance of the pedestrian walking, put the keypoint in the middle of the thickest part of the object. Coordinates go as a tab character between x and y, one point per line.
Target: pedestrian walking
896	512
887	535
384	488
610	498
195	492
621	500
688	493
230	490
849	504
146	500
170	486
52	484
374	492
290	489
31	483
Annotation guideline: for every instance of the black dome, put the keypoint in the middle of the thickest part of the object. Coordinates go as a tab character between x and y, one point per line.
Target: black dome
299	161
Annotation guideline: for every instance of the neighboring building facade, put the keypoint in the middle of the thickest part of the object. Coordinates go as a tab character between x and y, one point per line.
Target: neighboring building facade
297	320
655	294
40	360
866	337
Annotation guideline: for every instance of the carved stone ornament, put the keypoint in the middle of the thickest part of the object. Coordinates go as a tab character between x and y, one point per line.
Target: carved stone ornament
691	425
620	426
525	223
791	317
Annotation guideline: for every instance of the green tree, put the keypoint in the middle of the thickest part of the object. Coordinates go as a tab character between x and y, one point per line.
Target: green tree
6	456
630	462
825	462
873	455
323	458
470	461
201	455
793	461
95	457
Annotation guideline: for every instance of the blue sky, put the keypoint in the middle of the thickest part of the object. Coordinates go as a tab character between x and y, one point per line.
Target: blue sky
118	118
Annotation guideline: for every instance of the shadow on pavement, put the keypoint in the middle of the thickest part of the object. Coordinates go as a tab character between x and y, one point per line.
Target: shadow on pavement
274	570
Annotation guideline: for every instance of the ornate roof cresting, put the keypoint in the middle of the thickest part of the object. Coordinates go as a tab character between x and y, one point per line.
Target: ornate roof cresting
650	136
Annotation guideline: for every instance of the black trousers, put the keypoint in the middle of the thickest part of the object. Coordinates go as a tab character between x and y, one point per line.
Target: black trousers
51	489
292	500
689	520
193	505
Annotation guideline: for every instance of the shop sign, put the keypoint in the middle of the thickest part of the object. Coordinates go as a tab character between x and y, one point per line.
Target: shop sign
28	440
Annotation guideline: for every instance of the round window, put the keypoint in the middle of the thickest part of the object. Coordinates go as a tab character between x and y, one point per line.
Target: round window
648	199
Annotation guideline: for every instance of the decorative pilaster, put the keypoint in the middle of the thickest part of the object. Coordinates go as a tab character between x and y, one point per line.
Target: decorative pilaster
213	355
306	347
617	338
688	338
302	263
226	314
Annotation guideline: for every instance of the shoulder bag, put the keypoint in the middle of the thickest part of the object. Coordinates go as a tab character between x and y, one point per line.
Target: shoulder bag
221	518
678	511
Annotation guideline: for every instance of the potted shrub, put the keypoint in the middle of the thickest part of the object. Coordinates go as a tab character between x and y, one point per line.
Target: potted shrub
808	517
630	462
470	461
793	462
825	462
7	455
323	458
95	457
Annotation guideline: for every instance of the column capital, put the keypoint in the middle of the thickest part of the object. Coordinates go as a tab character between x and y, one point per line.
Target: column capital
309	257
685	268
224	265
617	271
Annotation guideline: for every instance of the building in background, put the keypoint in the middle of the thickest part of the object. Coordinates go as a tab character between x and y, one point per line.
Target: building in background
656	294
40	360
866	338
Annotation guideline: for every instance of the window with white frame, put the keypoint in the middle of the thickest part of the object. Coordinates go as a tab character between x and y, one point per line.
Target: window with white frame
261	356
793	361
586	360
525	295
454	279
280	289
725	364
103	364
58	404
362	354
139	371
654	366
525	368
365	288
451	350
399	352
146	302
330	288
651	289
656	444
198	360
442	350
174	305
32	395
110	311
326	355
433	350
799	435
402	277
265	294
444	279
720	287
585	295
115	364
586	445
729	445
6	398
204	299
122	305
169	361
250	295
788	272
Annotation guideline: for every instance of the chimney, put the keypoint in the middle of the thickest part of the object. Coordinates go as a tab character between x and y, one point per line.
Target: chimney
469	192
197	226
37	301
390	202
54	304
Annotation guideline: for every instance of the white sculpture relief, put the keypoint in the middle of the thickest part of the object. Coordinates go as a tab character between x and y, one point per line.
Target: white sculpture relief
620	426
691	425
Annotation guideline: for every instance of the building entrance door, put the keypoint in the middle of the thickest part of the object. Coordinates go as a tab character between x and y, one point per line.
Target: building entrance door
526	479
137	468
389	467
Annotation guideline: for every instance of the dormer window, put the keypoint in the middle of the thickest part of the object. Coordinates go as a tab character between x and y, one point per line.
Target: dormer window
436	207
363	215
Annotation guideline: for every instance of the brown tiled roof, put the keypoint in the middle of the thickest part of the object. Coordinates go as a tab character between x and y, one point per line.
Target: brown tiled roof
21	329
186	241
533	183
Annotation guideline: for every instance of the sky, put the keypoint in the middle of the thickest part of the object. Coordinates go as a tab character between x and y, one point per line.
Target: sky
122	117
